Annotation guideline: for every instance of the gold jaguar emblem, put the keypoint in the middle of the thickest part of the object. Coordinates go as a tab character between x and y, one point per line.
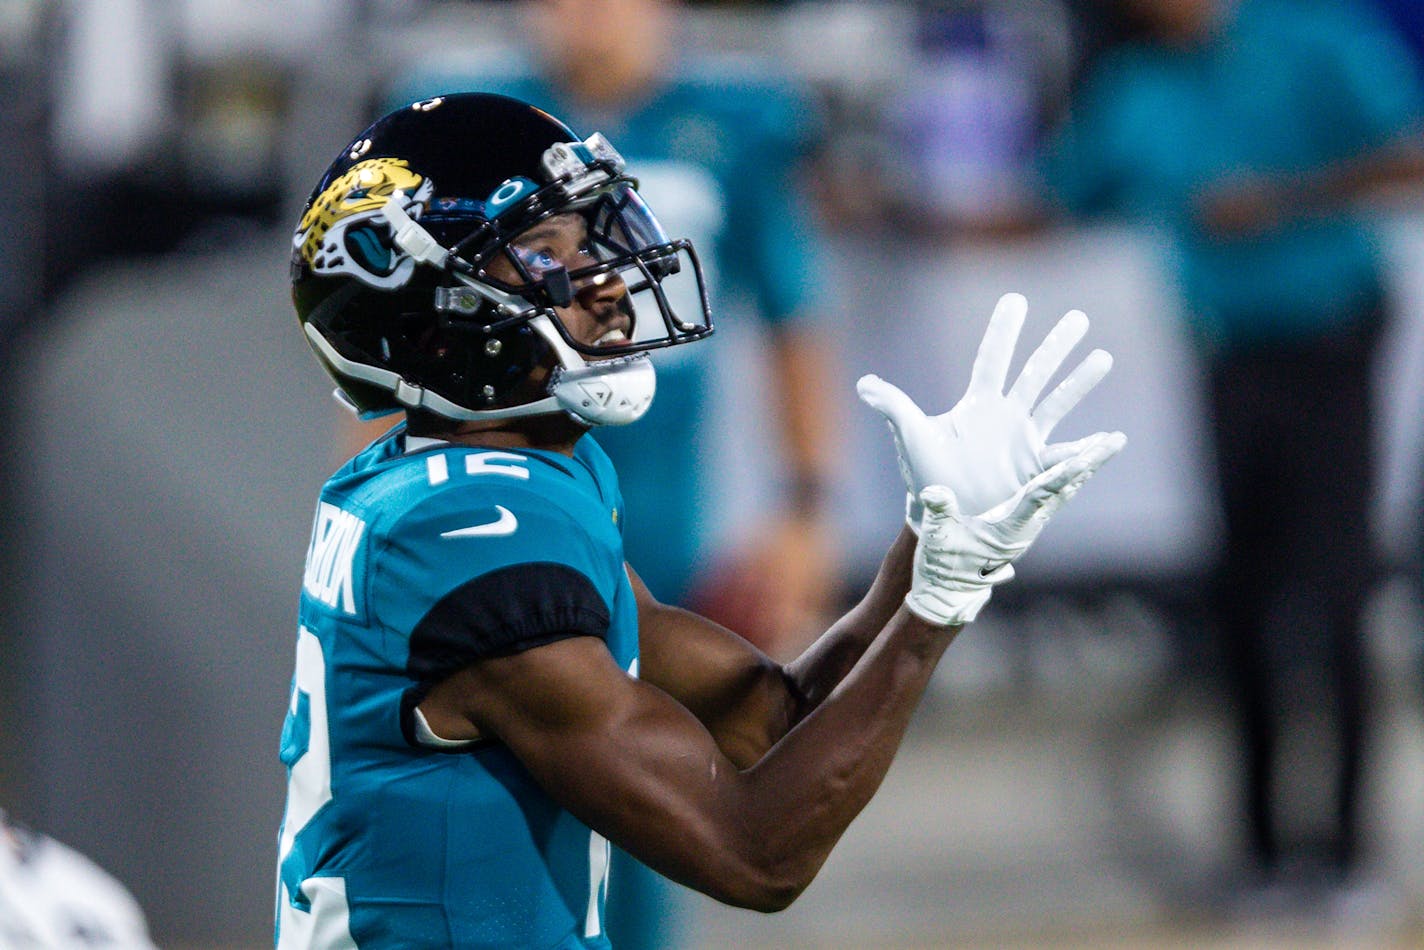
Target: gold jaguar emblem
351	203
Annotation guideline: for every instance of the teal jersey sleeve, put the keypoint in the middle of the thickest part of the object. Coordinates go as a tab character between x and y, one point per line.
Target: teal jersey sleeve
447	542
494	562
1369	81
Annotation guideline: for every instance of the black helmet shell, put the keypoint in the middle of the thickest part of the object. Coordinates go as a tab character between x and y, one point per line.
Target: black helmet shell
446	157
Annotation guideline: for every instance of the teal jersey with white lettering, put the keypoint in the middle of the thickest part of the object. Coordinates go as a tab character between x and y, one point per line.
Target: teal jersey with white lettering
423	559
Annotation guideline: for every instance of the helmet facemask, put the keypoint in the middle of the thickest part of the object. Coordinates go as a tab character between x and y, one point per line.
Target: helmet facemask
541	296
584	263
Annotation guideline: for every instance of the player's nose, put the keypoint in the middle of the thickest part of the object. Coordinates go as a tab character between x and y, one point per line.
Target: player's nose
601	293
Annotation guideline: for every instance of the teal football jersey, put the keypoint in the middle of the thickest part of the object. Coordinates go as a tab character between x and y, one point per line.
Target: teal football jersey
424	557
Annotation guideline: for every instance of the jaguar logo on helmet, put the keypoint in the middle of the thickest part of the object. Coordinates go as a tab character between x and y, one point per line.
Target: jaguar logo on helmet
345	232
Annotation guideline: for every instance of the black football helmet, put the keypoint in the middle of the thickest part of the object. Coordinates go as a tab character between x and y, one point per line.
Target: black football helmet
395	259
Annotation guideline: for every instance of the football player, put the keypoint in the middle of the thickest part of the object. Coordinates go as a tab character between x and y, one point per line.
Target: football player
485	694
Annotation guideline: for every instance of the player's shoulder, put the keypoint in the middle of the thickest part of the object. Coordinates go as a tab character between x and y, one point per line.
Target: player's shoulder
410	524
407	500
451	481
442	515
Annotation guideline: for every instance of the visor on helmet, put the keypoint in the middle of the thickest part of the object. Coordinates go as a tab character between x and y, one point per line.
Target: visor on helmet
606	242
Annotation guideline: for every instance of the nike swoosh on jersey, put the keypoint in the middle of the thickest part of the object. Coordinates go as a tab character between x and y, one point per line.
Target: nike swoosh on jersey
505	524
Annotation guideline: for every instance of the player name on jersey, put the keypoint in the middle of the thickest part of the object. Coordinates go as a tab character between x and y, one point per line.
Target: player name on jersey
331	556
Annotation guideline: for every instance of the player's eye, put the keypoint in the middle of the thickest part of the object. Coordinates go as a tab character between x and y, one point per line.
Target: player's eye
537	261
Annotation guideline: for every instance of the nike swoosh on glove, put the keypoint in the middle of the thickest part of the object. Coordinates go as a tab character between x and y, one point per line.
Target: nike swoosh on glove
961	558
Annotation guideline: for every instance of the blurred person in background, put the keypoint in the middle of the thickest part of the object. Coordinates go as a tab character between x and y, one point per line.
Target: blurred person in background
52	896
1246	133
965	123
718	146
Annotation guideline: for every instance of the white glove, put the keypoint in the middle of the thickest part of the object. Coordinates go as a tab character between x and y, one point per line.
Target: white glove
992	443
961	558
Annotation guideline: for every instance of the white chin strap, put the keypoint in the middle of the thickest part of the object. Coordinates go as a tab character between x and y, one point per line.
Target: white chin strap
611	392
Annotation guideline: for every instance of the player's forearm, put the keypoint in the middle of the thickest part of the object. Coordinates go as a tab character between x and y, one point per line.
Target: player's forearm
751	703
800	798
817	671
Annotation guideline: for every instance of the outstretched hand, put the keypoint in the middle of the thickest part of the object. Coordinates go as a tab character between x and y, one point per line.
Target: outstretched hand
961	558
982	478
993	442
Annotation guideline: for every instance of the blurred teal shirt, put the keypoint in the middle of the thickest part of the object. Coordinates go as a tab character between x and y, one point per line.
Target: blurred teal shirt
717	149
1290	85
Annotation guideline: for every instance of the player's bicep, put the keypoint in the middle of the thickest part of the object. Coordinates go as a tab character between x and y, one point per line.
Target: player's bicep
739	694
497	613
618	753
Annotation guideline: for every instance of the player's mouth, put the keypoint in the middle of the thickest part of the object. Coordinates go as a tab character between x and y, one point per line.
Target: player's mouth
612	321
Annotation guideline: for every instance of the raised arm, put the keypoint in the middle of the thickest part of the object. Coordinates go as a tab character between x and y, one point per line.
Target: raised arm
746	700
641	769
722	770
990	449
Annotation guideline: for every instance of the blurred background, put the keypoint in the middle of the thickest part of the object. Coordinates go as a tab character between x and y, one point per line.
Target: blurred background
1071	780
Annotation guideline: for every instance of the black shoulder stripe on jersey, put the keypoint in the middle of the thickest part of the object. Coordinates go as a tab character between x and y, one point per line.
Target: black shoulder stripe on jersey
504	612
498	614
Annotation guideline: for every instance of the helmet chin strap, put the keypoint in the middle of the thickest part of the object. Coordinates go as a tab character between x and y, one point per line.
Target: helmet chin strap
612	392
